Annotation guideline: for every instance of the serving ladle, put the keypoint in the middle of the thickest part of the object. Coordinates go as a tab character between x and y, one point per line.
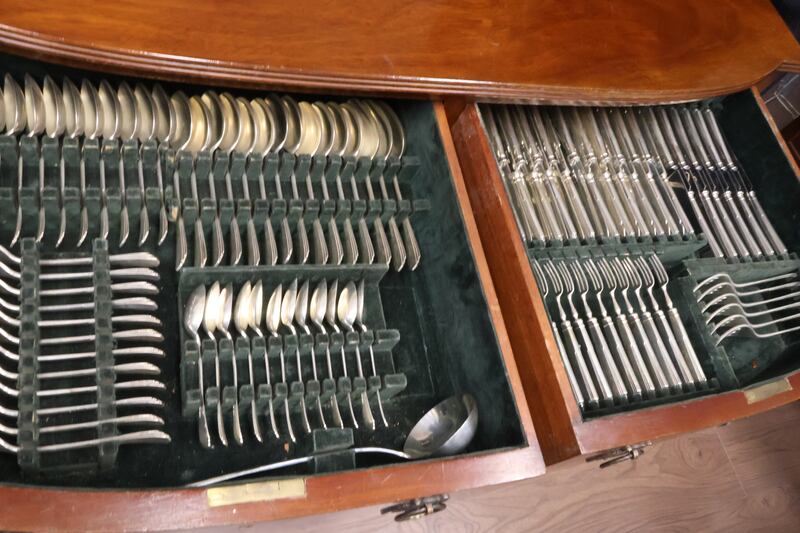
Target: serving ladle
192	319
347	311
446	429
317	308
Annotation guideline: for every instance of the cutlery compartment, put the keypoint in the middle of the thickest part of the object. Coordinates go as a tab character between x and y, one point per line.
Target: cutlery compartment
494	173
434	331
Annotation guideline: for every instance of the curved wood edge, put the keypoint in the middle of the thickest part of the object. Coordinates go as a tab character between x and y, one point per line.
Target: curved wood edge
673	419
775	130
28	508
146	64
546	385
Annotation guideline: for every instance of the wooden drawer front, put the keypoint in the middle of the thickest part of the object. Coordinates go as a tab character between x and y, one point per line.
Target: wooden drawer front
452	339
739	375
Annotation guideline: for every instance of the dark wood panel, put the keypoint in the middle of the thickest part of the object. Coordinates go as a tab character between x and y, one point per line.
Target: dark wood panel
626	50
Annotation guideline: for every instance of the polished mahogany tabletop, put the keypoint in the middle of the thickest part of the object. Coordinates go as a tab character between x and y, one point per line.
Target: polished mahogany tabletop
622	50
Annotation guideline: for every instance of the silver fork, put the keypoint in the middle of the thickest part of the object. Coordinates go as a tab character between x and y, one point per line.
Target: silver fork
566	328
606	361
618	352
602	381
656	342
640	368
544	288
650	359
678	358
677	325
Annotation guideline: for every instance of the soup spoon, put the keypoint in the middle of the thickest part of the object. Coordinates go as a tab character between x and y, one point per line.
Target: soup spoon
254	312
294	138
216	130
93	121
223	325
145	131
110	106
74	127
311	139
363	327
335	145
127	131
164	118
288	311
447	429
34	111
55	125
367	146
232	130
300	317
282	124
210	319
192	319
347	310
16	120
273	318
317	309
270	112
242	315
330	316
178	138
245	145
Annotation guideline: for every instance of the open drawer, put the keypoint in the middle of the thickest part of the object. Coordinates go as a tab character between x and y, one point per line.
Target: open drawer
436	330
744	370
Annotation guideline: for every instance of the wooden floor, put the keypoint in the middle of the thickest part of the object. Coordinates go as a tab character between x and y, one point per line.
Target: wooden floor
741	477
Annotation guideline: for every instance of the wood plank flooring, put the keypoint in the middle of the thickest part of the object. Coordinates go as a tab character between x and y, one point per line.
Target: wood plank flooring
741	477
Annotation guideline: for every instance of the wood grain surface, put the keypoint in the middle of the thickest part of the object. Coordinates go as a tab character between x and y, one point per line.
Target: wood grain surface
738	478
625	50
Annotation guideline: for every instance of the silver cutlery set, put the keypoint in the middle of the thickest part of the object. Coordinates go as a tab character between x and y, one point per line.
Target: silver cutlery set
609	173
88	334
620	335
224	128
766	307
327	307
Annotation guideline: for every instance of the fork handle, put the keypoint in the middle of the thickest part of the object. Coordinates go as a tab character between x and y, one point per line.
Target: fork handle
573	382
586	378
688	349
633	349
674	348
602	381
607	361
660	351
651	361
619	353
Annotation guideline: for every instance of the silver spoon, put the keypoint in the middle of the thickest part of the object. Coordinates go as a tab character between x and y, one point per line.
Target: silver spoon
288	311
35	113
127	129
16	120
245	145
330	316
216	125
164	118
55	125
293	140
398	148
311	139
273	320
210	318
145	131
346	130
367	146
232	130
242	315
301	316
317	309
275	142
93	121
446	429
223	325
363	328
198	140
335	145
74	127
347	310
111	125
192	318
179	136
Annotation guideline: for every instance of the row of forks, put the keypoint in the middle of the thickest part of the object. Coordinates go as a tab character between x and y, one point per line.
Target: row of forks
637	346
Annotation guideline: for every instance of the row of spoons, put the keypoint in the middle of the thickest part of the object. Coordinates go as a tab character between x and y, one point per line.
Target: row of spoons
288	311
68	391
221	122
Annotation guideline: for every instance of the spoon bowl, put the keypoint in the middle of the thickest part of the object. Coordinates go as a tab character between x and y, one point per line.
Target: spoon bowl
446	429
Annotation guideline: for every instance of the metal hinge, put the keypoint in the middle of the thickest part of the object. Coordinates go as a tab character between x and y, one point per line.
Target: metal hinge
618	455
417	508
